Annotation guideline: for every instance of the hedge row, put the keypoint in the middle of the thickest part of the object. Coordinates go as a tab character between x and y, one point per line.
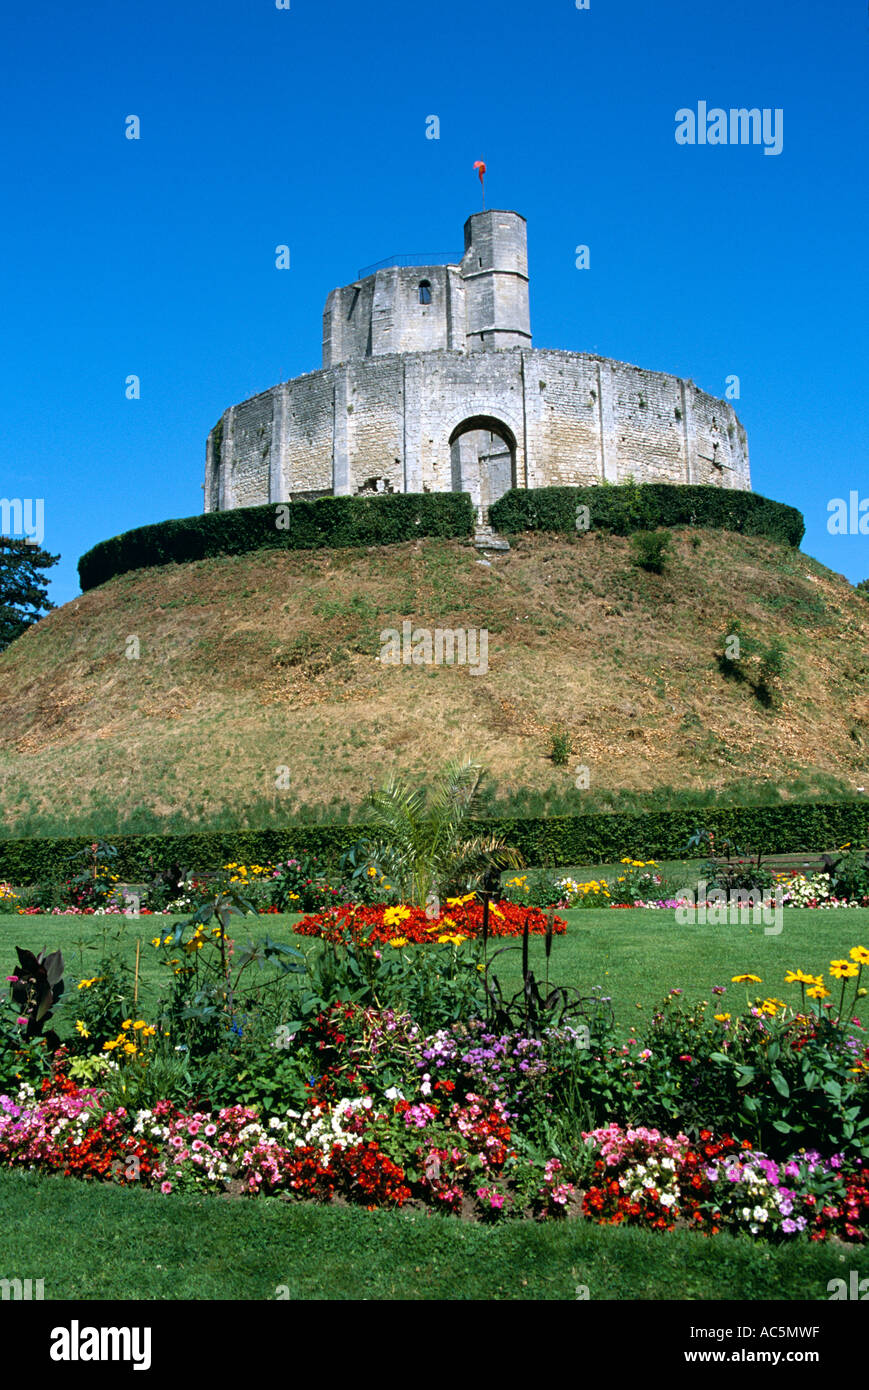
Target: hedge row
346	521
629	507
328	521
557	840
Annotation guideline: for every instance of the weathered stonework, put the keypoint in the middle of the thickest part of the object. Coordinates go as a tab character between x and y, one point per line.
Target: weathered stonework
430	383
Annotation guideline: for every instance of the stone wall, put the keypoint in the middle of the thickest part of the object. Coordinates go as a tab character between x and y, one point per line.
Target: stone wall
393	419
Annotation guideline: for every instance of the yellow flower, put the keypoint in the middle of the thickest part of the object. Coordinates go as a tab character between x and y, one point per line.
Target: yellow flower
843	970
455	939
394	916
140	1023
107	1046
130	1047
398	941
494	911
772	1006
127	1023
817	992
746	979
86	984
859	954
156	941
799	977
371	871
722	1018
80	1029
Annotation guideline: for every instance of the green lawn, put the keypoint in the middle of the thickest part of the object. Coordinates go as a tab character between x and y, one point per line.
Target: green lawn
98	1242
637	955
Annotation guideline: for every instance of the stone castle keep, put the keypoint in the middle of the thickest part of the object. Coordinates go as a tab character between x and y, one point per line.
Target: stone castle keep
430	383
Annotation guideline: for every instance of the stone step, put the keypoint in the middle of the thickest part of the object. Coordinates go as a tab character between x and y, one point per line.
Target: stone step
487	539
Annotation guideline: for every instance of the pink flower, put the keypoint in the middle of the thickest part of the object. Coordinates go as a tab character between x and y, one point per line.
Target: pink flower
165	1187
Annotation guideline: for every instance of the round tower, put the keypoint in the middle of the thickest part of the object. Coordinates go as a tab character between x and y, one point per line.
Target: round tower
495	271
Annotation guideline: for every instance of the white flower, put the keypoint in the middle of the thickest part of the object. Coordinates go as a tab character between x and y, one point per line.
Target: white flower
393	1094
667	1199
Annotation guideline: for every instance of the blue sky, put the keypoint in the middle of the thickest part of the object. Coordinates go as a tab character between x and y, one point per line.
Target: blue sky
307	127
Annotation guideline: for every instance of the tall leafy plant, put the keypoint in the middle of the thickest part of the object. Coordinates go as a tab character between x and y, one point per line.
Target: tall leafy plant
429	840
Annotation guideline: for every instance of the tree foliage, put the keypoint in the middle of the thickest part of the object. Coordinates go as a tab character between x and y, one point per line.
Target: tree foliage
23	589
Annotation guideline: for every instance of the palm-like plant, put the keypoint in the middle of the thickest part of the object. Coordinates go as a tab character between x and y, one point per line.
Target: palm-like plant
426	841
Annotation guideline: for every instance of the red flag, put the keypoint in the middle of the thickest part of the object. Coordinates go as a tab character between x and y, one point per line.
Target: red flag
481	169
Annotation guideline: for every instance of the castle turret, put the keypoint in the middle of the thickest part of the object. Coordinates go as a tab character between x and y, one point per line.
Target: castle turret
481	303
494	269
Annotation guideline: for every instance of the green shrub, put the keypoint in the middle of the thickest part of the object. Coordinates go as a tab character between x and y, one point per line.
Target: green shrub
651	550
560	746
327	522
629	507
849	874
760	665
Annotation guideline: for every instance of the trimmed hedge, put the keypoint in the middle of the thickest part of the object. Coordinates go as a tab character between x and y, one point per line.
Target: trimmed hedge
348	521
792	827
628	507
328	521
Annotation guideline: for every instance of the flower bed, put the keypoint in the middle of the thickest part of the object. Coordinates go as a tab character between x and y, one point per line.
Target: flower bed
644	1178
389	1076
459	1156
460	920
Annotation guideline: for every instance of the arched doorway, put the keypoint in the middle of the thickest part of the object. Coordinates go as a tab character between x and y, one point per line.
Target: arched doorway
483	460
